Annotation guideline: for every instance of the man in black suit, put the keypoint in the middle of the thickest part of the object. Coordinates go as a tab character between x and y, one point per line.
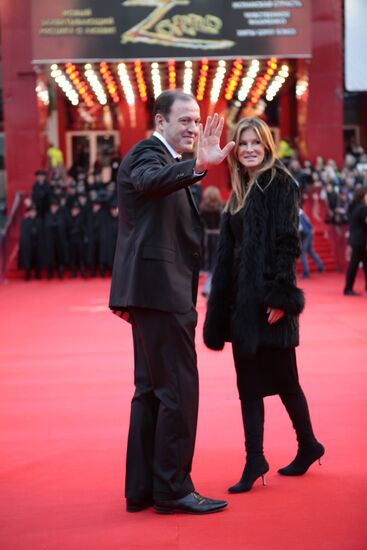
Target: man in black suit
154	285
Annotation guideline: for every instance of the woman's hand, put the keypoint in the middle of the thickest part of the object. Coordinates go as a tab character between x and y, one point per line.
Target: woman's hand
274	315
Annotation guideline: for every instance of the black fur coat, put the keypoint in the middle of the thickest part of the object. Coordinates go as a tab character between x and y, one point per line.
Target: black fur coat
266	271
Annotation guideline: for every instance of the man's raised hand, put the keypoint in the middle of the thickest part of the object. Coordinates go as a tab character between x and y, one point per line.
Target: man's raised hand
209	152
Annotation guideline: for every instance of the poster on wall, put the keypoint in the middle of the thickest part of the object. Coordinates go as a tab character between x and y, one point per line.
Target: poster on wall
86	30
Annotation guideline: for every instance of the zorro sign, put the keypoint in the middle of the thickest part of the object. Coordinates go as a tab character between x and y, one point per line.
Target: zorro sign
87	30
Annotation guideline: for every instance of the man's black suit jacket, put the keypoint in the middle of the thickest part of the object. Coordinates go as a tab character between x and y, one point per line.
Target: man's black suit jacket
159	237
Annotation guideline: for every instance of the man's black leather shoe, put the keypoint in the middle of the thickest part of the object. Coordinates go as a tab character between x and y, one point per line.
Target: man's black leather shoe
190	504
137	505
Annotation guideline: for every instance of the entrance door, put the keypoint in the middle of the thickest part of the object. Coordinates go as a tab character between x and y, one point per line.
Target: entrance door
92	150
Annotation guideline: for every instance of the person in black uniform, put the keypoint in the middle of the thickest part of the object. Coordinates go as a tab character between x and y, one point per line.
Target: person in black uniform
76	235
55	240
109	232
41	193
96	241
30	243
254	301
154	283
357	217
115	163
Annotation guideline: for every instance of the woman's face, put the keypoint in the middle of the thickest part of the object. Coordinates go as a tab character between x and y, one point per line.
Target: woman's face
250	151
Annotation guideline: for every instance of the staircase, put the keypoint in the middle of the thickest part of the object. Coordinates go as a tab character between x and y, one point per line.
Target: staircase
324	250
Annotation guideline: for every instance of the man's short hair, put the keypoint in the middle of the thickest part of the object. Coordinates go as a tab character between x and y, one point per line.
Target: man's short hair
165	100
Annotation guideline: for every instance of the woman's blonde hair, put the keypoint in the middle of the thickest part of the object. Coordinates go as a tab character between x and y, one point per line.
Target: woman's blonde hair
241	182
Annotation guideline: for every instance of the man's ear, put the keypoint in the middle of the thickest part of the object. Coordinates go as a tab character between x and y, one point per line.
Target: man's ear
158	119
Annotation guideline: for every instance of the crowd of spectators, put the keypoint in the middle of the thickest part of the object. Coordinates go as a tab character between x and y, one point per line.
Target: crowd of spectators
70	223
333	185
331	194
71	220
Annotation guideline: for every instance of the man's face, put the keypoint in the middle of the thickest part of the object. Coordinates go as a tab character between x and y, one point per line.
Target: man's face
182	127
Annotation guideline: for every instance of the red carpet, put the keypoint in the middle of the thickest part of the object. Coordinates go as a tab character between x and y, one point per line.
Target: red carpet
66	384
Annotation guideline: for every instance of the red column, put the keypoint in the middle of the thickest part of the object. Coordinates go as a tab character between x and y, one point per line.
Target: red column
287	109
325	114
23	150
303	69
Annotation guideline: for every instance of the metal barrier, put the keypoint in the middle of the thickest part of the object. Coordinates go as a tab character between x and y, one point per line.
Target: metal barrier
9	235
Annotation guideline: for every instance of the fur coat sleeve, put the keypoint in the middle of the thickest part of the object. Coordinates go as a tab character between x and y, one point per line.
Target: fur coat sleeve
282	292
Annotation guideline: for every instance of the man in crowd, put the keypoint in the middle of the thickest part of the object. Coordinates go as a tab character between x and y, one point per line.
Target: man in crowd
154	284
41	193
306	234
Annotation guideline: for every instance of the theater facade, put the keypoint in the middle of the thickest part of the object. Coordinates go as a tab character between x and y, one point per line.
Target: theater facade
83	74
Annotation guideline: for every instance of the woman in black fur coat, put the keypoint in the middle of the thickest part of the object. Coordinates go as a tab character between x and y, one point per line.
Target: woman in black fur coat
254	302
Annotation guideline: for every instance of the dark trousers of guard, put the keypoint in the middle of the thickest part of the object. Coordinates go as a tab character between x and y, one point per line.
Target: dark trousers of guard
76	257
57	258
35	262
164	407
96	259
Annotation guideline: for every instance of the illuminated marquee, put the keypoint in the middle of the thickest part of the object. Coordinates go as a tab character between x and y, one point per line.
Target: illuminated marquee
158	30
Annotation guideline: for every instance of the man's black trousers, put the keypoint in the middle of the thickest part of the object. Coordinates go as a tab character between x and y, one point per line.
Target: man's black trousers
164	407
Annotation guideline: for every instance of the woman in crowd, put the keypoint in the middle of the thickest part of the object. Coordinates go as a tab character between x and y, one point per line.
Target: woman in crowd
254	301
357	217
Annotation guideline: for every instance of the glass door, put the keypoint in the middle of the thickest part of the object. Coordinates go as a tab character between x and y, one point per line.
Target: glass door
78	150
92	151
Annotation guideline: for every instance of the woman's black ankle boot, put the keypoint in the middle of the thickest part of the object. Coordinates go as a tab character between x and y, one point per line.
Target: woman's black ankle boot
303	460
309	449
255	467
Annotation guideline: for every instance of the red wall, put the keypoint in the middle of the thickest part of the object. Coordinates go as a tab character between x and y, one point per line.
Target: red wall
23	147
325	106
